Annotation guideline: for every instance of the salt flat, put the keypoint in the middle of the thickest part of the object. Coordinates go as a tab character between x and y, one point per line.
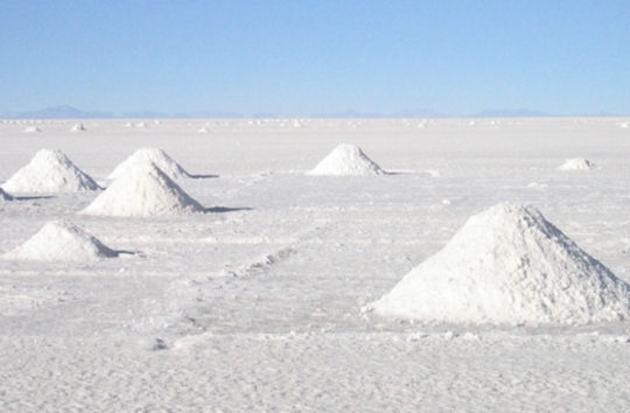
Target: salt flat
258	303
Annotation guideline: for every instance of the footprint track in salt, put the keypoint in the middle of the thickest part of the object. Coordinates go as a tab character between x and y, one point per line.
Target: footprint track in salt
186	300
261	265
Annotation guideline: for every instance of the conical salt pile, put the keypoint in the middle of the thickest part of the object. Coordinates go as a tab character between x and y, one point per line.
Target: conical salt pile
576	164
143	191
508	265
63	241
4	196
147	156
346	159
78	127
50	171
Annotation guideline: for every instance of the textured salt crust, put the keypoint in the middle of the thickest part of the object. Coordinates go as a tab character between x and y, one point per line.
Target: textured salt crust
61	240
50	171
509	265
576	164
150	155
346	159
271	340
144	190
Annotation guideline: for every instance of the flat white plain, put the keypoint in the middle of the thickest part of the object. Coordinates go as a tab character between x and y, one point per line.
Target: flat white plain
256	305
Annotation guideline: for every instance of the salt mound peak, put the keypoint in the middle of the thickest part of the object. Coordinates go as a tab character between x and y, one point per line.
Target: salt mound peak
61	240
346	159
4	196
576	164
509	265
78	127
50	171
144	190
148	156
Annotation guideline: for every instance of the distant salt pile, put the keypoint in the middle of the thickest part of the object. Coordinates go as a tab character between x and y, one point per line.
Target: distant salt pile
32	129
77	128
144	190
508	265
4	196
63	241
346	159
576	164
50	171
149	156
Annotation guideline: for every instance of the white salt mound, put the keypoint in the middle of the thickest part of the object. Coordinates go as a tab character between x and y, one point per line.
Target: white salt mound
61	240
346	159
4	196
32	129
576	164
148	156
50	171
508	265
77	128
144	190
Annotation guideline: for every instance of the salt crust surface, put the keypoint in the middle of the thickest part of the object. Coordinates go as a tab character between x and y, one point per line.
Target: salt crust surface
167	330
150	155
347	159
144	190
50	171
509	265
61	241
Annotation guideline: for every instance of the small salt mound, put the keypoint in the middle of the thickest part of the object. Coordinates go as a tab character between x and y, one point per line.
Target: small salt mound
61	240
508	265
150	156
32	129
4	196
143	191
346	160
576	164
50	171
77	128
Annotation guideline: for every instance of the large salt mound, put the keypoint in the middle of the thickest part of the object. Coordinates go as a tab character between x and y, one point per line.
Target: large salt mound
143	191
346	159
148	156
50	171
508	265
4	196
576	164
61	240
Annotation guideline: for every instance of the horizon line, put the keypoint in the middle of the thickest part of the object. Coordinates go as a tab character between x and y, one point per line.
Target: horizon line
70	112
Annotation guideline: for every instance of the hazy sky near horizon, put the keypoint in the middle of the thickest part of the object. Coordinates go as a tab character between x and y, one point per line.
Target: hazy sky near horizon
304	57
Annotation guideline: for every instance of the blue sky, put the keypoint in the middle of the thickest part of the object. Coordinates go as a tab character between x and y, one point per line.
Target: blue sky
303	57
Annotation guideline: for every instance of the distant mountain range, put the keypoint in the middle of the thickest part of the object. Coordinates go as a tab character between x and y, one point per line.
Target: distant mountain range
513	113
58	112
69	112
